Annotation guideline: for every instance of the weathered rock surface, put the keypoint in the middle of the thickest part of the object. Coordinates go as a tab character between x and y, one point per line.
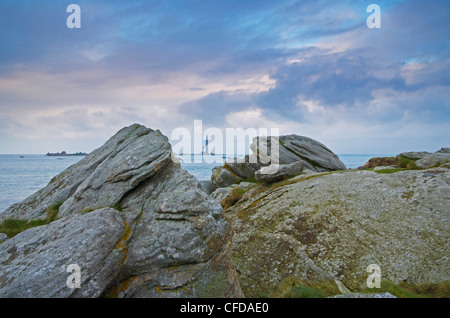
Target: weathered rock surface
414	154
433	160
246	185
281	150
221	193
224	177
207	186
274	173
315	155
324	230
168	240
34	263
379	168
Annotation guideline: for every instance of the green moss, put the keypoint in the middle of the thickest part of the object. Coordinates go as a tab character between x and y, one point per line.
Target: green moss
117	207
303	292
293	287
13	226
439	290
406	290
393	170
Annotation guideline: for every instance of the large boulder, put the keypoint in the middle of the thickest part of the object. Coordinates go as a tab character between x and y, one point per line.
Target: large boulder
132	155
315	155
165	237
323	230
282	150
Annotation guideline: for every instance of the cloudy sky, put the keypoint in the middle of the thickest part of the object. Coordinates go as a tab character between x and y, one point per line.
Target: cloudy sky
312	68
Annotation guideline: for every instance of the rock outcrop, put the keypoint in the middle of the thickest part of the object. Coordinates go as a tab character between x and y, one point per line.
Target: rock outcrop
444	150
411	160
280	151
424	160
433	160
323	230
135	223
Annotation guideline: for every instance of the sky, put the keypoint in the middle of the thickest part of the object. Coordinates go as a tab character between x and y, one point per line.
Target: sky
312	68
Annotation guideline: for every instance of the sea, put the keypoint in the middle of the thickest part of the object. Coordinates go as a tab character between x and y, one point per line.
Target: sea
22	175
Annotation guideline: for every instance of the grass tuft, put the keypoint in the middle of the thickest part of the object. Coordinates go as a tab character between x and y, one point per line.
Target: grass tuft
407	163
13	226
233	198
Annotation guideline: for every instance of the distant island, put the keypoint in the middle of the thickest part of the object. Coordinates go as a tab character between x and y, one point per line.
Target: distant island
63	153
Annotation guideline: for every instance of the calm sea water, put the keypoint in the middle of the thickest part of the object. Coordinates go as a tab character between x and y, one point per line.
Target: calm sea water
21	177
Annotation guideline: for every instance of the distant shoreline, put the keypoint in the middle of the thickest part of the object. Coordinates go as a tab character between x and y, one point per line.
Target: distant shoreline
64	154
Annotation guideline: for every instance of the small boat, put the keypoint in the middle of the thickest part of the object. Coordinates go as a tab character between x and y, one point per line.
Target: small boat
21	156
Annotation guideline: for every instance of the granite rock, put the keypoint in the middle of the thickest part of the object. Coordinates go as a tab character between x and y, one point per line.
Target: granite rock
323	230
275	151
133	220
